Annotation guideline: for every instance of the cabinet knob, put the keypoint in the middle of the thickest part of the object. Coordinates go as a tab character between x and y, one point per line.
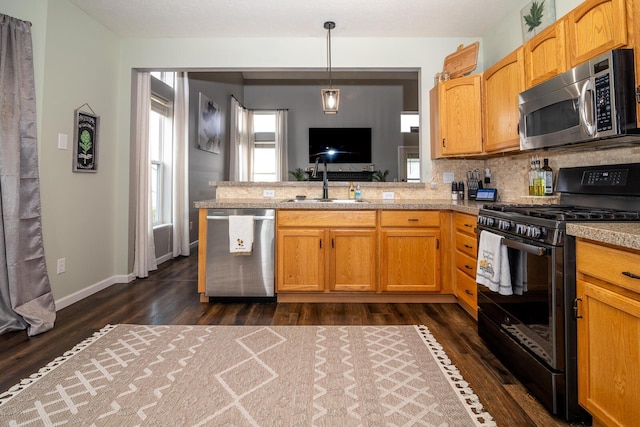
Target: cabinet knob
468	267
413	220
468	246
468	292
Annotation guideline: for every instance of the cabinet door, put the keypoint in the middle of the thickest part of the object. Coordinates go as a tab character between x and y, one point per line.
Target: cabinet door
545	55
460	116
594	27
352	264
502	84
410	260
609	355
301	260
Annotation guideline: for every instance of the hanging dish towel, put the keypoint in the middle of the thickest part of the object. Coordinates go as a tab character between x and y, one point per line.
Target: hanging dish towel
518	265
240	234
493	264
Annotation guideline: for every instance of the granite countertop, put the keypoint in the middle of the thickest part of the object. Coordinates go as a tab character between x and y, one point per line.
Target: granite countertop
623	234
464	206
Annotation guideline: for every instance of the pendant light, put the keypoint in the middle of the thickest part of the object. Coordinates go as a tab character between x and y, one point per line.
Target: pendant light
330	96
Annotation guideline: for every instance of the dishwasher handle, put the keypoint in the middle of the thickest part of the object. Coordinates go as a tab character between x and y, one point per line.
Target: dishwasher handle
226	218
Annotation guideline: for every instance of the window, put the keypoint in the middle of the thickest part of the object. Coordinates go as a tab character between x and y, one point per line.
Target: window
160	145
409	121
264	151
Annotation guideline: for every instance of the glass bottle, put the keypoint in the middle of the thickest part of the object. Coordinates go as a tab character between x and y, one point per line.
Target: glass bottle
548	178
532	177
352	191
538	183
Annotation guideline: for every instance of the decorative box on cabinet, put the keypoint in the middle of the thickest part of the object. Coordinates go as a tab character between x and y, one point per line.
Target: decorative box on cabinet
466	256
326	251
458	105
410	251
545	55
608	310
502	84
594	27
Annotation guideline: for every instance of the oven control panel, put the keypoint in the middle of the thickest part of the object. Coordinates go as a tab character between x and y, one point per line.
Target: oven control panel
613	177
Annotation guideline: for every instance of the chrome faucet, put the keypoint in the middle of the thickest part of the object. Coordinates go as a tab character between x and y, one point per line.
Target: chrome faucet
325	180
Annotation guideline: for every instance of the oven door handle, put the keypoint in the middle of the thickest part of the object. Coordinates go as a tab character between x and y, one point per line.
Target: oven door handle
531	249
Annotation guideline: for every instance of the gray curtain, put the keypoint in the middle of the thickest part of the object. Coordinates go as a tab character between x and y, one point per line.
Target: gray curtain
26	301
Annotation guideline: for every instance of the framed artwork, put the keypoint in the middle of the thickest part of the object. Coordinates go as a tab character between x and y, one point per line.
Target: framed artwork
208	124
85	142
536	16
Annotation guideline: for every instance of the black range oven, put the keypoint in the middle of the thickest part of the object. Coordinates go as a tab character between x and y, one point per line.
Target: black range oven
532	328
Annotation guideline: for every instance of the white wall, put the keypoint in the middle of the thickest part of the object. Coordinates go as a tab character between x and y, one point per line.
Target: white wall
507	35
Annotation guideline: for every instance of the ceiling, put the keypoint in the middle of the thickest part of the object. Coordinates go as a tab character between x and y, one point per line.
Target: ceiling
297	18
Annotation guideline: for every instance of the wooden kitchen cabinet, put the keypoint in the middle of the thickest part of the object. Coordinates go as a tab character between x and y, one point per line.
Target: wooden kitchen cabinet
459	116
466	256
323	251
608	306
594	27
545	54
501	84
410	251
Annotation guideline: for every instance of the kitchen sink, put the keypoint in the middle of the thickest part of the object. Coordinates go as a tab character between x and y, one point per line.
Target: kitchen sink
326	201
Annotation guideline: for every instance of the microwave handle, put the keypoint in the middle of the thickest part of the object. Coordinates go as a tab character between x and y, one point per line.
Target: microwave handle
586	107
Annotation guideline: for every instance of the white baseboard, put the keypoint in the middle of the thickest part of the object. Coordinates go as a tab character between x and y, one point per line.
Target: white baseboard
90	290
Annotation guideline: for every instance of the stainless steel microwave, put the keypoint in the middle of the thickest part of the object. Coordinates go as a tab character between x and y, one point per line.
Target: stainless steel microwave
594	101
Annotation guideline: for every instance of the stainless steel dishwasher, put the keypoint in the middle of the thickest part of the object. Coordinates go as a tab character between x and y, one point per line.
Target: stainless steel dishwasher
245	275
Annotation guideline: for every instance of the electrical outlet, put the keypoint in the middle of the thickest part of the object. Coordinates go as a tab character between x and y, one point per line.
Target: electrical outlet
388	195
434	185
190	225
448	177
62	265
269	193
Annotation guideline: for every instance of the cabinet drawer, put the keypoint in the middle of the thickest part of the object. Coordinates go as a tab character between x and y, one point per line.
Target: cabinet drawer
618	266
410	218
467	264
339	218
466	223
466	289
467	244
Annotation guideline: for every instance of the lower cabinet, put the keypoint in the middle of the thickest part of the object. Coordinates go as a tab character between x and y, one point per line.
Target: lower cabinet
608	306
466	256
338	256
410	251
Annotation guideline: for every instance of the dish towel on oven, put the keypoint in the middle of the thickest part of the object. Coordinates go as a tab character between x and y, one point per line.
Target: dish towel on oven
240	234
493	264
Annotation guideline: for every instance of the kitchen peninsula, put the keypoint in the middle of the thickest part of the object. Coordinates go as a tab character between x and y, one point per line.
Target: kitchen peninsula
382	249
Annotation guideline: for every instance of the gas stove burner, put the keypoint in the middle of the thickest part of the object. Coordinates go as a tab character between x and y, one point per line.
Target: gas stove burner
565	212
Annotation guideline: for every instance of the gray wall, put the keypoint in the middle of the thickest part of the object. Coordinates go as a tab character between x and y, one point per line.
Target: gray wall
374	106
205	166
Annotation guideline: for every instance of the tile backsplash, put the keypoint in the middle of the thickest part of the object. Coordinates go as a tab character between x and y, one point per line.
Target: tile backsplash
509	172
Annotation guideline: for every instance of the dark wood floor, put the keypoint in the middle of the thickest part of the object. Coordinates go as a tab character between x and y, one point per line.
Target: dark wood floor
169	296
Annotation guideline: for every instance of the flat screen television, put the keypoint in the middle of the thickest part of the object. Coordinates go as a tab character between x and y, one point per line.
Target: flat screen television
340	145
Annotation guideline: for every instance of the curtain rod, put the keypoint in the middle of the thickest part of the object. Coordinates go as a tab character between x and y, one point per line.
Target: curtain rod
259	109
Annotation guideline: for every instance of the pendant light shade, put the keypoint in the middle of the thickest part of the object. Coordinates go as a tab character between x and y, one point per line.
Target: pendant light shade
330	96
330	100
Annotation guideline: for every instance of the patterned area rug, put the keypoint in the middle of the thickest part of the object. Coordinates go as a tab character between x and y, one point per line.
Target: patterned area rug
128	375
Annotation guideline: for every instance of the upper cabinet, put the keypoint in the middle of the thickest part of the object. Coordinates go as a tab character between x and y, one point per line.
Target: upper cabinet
545	55
459	113
502	84
594	27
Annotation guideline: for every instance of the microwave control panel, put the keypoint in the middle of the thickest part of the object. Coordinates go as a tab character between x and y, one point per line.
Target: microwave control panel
604	120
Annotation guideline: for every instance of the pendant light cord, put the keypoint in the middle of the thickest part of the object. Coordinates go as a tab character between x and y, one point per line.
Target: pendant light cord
329	26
